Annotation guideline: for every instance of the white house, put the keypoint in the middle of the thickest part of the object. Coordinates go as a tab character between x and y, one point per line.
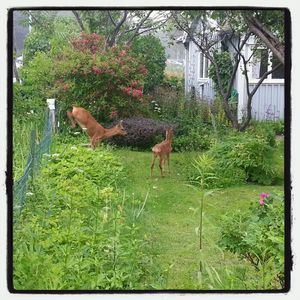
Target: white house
268	101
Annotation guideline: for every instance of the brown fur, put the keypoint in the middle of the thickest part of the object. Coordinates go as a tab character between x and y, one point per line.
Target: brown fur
163	150
95	131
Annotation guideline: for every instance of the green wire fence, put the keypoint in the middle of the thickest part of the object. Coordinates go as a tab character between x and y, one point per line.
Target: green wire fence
37	149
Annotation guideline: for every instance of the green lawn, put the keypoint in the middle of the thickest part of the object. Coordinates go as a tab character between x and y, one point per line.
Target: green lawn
169	224
53	221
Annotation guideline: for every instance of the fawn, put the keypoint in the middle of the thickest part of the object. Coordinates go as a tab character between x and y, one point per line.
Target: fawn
95	131
163	150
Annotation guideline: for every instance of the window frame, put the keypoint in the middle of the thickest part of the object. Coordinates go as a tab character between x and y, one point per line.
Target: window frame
269	78
205	67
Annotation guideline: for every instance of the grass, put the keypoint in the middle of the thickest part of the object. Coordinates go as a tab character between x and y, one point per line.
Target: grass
169	223
169	219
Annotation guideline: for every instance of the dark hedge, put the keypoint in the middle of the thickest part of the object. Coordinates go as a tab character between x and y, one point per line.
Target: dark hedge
142	133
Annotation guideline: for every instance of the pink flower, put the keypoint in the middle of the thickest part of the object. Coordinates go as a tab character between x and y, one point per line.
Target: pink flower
137	93
127	90
264	195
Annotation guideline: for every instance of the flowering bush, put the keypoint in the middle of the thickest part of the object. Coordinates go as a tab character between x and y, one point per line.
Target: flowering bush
257	235
103	80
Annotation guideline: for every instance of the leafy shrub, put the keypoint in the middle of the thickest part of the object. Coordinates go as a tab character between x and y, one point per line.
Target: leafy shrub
212	173
74	231
38	77
224	63
28	107
141	133
166	103
46	39
100	79
28	114
257	235
196	139
278	127
263	130
35	42
251	154
151	52
237	159
174	82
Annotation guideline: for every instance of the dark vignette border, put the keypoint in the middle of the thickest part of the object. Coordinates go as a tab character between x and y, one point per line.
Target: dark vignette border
287	153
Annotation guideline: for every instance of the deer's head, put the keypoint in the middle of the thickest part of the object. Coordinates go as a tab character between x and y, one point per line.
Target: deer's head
120	130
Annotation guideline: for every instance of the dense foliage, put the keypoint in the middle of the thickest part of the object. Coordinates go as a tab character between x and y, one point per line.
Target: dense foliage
76	232
102	80
257	235
49	33
237	159
142	133
224	64
151	52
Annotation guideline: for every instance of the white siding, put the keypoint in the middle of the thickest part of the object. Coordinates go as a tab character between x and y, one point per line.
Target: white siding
268	102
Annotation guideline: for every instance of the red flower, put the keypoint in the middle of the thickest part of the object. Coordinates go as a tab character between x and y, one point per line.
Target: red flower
127	90
137	93
96	70
113	115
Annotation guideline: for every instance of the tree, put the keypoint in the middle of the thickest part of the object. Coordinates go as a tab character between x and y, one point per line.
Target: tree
121	26
264	24
49	31
210	29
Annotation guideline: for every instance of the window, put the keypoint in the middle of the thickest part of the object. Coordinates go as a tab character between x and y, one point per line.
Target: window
279	73
264	60
203	66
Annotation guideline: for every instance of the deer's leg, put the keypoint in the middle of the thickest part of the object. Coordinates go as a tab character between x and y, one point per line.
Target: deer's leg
71	118
94	141
161	161
152	164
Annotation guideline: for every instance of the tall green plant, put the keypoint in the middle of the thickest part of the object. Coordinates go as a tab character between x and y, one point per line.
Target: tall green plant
257	235
223	60
152	53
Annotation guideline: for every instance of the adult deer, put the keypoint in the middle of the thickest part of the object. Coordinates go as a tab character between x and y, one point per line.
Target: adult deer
163	150
95	131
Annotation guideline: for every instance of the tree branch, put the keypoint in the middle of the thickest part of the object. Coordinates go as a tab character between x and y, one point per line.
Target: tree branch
138	27
112	40
111	18
79	21
267	37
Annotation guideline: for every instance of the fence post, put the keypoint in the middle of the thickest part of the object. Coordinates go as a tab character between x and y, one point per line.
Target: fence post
51	106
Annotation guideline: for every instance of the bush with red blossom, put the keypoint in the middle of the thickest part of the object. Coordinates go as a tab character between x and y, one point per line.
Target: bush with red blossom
99	78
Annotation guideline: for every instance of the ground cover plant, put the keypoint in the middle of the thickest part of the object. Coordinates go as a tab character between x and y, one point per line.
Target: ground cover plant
257	235
77	230
101	222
